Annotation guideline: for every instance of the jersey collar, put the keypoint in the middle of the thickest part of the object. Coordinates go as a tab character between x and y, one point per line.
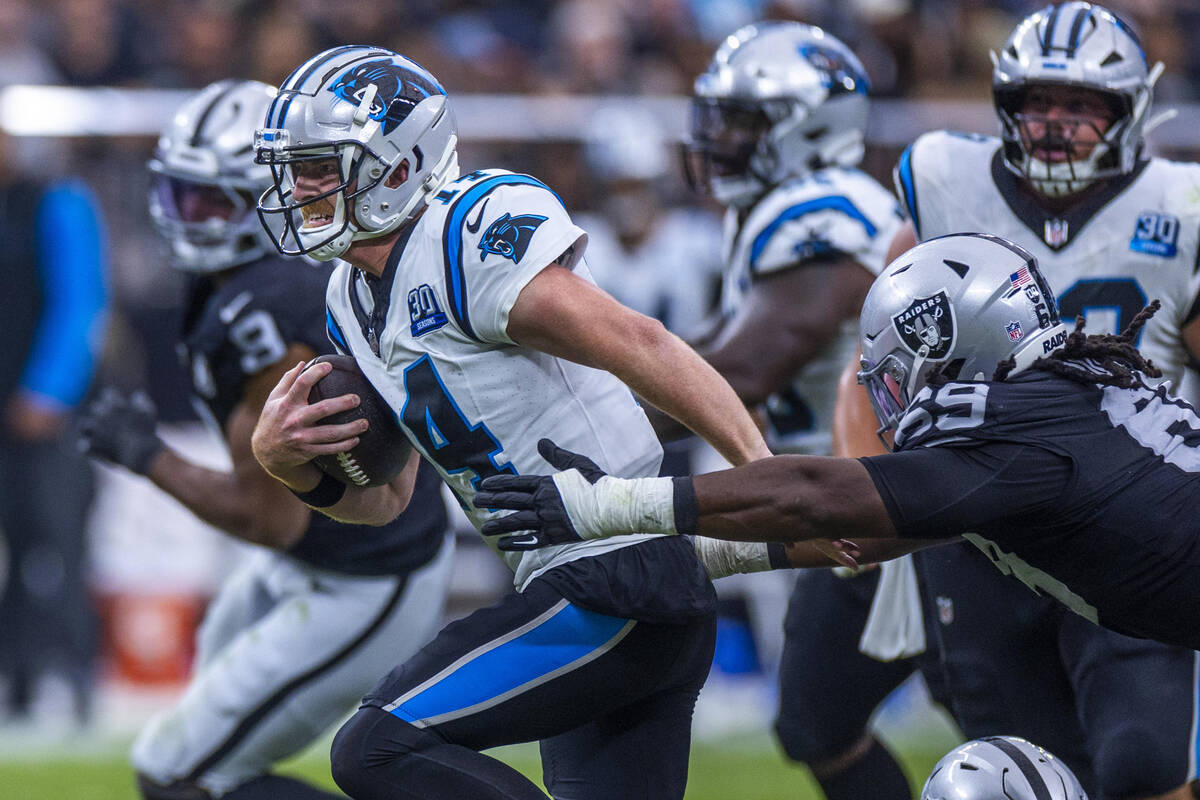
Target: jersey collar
372	322
1057	230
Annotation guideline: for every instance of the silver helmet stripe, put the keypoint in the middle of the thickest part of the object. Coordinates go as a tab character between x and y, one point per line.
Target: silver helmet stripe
1040	790
198	135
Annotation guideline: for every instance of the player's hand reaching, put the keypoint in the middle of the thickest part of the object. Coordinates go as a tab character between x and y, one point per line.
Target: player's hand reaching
549	509
120	428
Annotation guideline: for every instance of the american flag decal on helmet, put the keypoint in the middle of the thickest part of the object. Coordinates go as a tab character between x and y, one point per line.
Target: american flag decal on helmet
1020	278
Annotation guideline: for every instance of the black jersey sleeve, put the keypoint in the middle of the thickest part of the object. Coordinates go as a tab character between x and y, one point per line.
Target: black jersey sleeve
936	492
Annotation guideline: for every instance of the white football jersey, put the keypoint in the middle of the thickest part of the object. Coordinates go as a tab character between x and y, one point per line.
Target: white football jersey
833	212
435	345
1130	242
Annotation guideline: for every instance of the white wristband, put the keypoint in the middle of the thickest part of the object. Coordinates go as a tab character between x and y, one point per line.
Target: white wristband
613	506
722	558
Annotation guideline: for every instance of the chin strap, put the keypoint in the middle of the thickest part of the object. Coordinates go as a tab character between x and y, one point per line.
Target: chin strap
1158	119
910	387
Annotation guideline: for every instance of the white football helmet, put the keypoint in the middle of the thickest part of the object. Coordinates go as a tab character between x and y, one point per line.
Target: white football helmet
964	303
205	184
359	111
779	100
1087	47
1001	768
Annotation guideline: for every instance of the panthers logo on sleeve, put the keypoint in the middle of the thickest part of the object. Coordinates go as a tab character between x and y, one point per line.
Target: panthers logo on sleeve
927	324
509	236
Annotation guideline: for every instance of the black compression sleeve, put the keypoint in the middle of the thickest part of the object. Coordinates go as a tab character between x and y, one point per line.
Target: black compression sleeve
687	512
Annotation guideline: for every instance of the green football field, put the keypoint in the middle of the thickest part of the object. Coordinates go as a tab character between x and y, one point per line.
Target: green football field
739	768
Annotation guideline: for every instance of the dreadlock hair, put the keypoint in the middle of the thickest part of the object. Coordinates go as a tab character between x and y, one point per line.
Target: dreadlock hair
1119	360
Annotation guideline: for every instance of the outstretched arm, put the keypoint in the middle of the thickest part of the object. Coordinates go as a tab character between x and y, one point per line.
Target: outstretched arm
787	499
245	501
779	499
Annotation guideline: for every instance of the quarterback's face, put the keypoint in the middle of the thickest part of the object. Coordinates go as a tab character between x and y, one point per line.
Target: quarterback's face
313	178
1063	123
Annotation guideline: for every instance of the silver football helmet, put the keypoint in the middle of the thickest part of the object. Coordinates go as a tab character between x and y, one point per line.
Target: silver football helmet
962	303
204	182
1001	768
344	122
1087	47
779	100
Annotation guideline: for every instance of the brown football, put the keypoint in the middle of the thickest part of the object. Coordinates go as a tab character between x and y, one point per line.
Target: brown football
383	449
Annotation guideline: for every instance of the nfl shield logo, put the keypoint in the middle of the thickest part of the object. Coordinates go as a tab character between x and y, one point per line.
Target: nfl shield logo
1056	232
1014	331
945	607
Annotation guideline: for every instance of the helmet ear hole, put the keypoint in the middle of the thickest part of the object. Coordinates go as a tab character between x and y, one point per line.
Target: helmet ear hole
399	175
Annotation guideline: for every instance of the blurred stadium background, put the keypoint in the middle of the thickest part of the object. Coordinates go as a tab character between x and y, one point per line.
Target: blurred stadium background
86	84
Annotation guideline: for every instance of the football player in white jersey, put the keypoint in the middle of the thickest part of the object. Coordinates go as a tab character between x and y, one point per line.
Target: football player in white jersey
1112	229
776	136
466	302
305	624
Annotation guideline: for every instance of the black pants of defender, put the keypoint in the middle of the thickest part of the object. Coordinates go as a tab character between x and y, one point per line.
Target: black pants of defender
1120	712
827	688
610	699
46	614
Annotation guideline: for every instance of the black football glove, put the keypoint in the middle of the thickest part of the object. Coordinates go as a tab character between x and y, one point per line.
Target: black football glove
540	517
121	428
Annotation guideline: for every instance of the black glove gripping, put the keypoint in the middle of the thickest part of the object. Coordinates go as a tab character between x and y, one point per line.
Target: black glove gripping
121	429
539	517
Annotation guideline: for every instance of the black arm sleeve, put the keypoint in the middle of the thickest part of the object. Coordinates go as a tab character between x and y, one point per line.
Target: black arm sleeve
935	492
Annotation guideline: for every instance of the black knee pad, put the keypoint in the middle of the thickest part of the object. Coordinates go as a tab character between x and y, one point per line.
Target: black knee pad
371	738
179	790
808	739
1135	761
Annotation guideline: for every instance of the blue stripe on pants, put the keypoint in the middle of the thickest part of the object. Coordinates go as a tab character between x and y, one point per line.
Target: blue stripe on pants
563	638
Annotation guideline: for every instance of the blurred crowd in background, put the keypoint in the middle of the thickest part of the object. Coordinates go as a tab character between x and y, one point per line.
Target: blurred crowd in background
911	49
917	49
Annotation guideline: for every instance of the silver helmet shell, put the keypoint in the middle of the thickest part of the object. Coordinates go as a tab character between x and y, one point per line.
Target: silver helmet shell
778	100
963	302
368	109
207	147
1084	46
1001	768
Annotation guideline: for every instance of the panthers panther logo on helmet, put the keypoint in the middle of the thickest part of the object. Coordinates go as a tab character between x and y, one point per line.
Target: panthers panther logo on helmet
838	73
362	112
397	90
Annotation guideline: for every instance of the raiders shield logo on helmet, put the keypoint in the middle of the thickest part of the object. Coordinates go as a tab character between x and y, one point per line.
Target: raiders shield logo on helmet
927	326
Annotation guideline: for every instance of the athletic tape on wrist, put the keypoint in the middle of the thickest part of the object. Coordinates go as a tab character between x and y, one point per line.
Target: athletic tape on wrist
614	506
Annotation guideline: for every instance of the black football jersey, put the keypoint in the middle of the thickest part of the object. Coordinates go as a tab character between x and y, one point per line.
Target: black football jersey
242	323
1085	492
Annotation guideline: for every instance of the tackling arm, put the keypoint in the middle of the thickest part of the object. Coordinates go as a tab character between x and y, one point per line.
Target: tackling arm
566	316
786	499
